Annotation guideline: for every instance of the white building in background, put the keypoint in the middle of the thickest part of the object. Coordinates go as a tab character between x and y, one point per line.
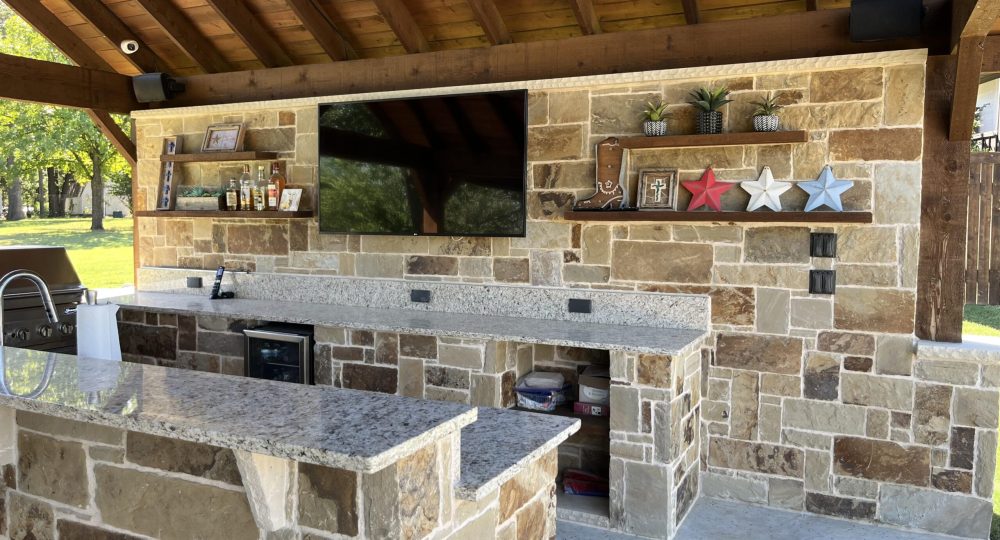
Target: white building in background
80	202
989	95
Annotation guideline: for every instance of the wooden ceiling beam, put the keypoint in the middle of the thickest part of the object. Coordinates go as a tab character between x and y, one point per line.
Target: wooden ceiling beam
691	12
257	38
115	134
586	17
804	35
59	34
489	18
116	31
26	79
399	18
991	54
185	35
972	18
326	34
811	5
963	103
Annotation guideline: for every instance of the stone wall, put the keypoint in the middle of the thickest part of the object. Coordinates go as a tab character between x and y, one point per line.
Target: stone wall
798	387
77	480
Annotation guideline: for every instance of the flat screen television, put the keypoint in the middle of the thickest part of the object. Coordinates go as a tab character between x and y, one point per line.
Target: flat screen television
445	165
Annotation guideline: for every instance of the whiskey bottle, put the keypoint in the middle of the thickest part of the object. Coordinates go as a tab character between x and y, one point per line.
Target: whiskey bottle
275	185
260	191
233	195
246	190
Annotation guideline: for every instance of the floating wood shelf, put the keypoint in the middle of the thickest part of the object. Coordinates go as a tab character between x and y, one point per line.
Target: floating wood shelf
720	139
246	214
754	217
205	157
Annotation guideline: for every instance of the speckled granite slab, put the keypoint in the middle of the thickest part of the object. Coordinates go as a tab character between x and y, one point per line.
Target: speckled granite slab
523	330
347	429
550	303
501	442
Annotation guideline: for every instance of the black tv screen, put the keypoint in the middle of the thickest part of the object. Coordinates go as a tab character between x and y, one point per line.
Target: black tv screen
446	165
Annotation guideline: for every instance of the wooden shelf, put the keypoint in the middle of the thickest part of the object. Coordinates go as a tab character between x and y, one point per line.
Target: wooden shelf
246	214
752	217
205	157
720	139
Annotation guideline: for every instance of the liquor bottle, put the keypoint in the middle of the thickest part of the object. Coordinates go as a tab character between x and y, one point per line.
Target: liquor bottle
260	191
233	195
246	190
275	185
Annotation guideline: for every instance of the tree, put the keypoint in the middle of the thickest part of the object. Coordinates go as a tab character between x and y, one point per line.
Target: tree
121	186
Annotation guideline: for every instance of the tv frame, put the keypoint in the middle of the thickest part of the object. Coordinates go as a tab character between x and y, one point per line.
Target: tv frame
524	172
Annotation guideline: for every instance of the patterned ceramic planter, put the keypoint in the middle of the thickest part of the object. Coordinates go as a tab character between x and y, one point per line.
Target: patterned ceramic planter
766	123
709	122
654	128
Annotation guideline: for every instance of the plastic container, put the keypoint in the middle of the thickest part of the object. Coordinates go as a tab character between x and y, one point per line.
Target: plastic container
534	395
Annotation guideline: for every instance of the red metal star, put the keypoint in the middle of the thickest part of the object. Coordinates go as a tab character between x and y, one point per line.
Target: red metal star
707	191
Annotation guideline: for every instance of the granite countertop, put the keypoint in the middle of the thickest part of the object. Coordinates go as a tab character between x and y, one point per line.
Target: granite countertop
347	429
640	339
501	442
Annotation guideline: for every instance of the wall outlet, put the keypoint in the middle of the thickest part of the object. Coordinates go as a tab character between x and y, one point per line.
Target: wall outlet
823	244
822	281
579	305
420	295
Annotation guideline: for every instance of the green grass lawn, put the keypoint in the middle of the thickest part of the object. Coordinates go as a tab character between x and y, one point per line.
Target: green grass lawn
103	259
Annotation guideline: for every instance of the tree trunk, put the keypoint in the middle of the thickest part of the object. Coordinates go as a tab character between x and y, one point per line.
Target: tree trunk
64	190
41	194
55	208
97	193
15	210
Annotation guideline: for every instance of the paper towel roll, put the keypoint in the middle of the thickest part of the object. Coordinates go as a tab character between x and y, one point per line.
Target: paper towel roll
97	332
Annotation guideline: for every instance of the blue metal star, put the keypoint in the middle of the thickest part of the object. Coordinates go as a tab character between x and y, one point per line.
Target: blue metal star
825	190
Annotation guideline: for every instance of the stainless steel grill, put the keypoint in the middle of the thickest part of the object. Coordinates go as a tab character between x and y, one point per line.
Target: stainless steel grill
24	322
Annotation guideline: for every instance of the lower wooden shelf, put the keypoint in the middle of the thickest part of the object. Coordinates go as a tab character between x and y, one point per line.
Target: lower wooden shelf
245	214
733	216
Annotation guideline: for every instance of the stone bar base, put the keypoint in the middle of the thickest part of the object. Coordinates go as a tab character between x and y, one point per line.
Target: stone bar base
80	480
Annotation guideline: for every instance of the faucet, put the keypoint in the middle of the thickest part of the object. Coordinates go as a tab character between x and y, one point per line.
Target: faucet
50	310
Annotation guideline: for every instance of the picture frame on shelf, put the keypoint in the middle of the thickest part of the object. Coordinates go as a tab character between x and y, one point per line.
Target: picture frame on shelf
290	199
166	192
657	189
224	138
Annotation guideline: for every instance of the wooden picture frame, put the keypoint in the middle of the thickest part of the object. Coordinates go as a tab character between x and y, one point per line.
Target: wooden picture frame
224	138
166	191
290	199
657	189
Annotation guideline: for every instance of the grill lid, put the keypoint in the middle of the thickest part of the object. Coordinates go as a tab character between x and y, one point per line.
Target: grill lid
51	263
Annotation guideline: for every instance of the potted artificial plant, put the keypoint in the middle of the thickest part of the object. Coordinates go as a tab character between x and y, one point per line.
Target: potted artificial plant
655	124
708	102
765	118
198	198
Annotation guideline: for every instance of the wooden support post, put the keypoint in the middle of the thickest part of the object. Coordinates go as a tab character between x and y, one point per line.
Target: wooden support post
115	134
963	105
943	212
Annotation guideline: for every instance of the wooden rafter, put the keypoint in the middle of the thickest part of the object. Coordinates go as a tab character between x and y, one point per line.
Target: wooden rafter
811	5
806	35
316	21
399	18
26	79
116	31
257	38
586	17
489	18
691	14
185	35
971	22
76	50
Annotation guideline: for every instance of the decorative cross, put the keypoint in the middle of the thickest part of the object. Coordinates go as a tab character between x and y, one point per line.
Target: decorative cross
658	187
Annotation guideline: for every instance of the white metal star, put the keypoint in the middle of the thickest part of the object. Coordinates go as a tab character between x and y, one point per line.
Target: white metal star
765	191
826	189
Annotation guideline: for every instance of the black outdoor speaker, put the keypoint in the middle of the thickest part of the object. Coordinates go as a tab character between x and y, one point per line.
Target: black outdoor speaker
876	20
153	87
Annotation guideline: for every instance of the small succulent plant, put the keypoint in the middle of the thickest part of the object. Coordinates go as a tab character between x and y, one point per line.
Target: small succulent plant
656	113
708	100
768	106
198	191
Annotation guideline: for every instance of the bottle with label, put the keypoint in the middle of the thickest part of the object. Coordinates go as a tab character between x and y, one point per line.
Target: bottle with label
232	195
260	191
275	185
246	190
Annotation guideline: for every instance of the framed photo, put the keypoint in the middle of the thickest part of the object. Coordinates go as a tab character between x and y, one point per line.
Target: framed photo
290	199
657	189
166	192
223	138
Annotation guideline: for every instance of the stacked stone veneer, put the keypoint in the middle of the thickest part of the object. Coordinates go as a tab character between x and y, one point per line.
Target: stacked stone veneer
800	389
77	480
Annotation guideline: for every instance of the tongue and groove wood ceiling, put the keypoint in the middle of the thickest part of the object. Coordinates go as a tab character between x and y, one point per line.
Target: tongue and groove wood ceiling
188	37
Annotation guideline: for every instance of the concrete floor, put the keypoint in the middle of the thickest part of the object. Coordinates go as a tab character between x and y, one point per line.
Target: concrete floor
713	519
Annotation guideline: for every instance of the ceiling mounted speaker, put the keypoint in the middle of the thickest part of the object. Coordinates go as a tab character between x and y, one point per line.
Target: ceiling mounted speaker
877	20
154	87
